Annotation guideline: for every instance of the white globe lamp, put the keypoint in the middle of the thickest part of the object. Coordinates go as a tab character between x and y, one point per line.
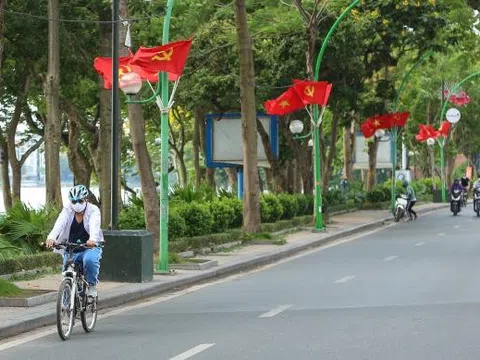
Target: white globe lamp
130	83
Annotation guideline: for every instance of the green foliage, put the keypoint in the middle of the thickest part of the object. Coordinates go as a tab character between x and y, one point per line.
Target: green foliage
271	209
375	195
189	193
7	289
289	204
132	217
223	215
177	226
302	203
29	262
27	228
198	219
237	207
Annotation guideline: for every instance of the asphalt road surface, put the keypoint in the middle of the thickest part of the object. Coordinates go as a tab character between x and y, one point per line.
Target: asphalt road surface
408	292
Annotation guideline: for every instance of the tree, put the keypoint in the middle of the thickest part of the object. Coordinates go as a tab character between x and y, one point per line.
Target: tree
53	126
251	207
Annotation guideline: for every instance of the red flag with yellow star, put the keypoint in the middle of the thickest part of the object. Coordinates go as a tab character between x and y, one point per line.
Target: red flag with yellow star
313	92
286	103
444	129
375	123
103	65
168	58
426	132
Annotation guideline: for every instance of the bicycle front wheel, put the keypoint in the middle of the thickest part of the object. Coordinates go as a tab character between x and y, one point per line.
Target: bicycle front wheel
65	309
89	315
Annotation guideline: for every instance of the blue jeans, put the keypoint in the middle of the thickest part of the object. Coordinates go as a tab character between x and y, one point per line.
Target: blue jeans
90	258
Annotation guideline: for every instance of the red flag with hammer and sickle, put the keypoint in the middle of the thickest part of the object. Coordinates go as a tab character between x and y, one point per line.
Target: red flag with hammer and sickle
313	92
286	103
169	58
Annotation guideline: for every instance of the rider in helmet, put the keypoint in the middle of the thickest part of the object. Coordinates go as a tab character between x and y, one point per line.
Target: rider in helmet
412	199
80	221
456	185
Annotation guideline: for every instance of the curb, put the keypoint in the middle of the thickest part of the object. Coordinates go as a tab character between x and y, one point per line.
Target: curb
214	273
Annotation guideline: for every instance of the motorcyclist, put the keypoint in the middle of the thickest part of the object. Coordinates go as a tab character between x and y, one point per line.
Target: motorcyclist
412	199
80	220
476	184
465	181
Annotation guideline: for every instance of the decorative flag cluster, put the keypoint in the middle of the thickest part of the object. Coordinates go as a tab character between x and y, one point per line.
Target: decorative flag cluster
147	62
460	98
301	94
428	132
383	122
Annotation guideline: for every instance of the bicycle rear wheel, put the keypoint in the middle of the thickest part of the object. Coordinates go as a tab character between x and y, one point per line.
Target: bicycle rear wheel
89	316
65	312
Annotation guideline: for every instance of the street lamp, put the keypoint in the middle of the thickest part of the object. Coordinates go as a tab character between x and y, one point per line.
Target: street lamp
296	127
130	83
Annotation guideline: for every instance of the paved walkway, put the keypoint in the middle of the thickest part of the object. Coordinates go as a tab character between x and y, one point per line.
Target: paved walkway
17	320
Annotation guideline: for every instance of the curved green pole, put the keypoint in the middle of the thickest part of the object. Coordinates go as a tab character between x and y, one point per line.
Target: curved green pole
395	130
442	144
317	119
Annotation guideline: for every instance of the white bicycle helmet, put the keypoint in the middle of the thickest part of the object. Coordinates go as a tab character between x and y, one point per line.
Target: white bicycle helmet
78	192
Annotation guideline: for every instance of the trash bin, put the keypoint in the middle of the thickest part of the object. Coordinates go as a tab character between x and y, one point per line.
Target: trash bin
437	195
127	256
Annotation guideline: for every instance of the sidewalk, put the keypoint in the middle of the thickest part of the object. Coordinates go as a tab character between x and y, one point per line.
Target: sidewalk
18	320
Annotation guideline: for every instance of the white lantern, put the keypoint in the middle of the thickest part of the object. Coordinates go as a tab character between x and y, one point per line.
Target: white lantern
380	133
296	126
430	141
310	142
130	83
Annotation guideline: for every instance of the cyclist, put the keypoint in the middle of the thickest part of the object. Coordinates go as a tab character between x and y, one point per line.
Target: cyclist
80	221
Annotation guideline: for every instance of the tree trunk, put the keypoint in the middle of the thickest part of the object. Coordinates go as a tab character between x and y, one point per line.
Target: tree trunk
180	166
251	205
53	126
232	178
3	4
102	152
332	151
348	150
196	146
7	194
144	165
372	164
79	163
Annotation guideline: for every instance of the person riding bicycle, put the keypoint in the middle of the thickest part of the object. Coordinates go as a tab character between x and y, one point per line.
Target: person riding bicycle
465	181
412	199
80	221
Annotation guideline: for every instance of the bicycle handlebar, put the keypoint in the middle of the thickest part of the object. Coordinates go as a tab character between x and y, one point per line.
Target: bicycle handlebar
73	246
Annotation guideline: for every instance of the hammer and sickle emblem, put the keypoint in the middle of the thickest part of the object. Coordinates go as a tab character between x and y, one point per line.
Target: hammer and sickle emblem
124	69
164	55
309	91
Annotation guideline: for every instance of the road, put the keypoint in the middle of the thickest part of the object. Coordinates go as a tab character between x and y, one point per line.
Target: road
408	292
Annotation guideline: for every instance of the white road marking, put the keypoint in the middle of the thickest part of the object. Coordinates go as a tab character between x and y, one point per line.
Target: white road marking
456	226
442	234
43	332
390	258
421	243
345	279
193	351
275	311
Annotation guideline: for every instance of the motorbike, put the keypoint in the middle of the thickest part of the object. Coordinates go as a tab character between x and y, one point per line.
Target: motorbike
476	201
400	207
456	201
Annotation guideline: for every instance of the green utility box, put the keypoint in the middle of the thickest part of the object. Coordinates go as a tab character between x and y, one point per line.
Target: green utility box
127	256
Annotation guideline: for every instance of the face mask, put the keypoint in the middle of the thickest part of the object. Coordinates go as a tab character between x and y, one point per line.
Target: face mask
79	207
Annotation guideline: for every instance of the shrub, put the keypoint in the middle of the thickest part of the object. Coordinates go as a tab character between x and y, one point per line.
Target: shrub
375	196
198	219
310	204
25	227
332	197
302	203
176	225
289	204
30	262
131	218
223	215
8	289
237	207
270	208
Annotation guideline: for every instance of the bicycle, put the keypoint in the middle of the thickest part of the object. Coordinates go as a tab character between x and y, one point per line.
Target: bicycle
72	295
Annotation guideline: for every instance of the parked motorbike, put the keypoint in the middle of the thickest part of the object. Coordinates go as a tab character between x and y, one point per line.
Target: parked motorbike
400	207
476	201
456	201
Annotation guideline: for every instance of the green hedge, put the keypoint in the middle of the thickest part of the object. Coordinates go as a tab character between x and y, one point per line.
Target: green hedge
29	262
